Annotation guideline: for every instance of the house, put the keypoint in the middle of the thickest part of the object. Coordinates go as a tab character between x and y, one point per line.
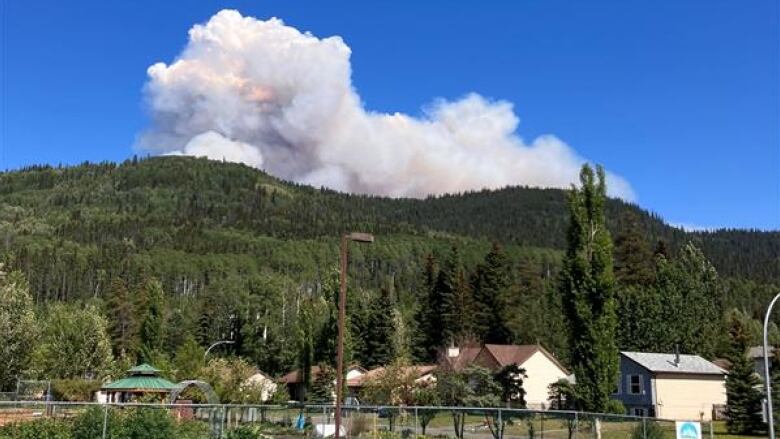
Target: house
541	367
420	373
756	353
670	386
294	380
265	384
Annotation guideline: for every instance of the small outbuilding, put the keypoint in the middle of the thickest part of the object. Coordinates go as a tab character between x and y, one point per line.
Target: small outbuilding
142	380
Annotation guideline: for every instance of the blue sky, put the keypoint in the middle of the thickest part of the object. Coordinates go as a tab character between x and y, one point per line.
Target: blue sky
681	98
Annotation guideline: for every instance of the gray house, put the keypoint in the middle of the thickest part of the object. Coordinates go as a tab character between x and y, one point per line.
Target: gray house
671	386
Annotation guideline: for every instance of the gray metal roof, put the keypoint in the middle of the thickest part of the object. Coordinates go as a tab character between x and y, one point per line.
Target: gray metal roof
758	351
665	363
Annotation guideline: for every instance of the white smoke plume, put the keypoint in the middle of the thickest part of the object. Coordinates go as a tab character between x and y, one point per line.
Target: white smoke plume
265	94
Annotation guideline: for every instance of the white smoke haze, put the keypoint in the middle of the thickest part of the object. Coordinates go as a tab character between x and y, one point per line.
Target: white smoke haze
263	93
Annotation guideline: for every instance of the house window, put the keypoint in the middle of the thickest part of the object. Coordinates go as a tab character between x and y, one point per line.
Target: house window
639	411
635	384
617	385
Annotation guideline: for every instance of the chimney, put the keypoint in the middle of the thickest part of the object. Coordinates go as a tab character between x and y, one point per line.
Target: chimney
676	355
453	351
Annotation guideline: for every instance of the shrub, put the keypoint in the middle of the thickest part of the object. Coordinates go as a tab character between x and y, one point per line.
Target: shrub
89	424
615	407
650	430
74	389
243	432
192	430
147	423
39	429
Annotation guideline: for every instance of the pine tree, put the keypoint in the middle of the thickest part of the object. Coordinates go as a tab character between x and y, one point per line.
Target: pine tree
428	335
743	406
457	306
305	347
123	324
381	331
323	388
325	348
633	257
587	286
492	297
152	331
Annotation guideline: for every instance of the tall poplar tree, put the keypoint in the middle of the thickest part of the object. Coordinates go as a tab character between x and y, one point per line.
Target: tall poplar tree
587	289
18	328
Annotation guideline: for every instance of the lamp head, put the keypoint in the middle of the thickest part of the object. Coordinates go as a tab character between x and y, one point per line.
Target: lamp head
361	237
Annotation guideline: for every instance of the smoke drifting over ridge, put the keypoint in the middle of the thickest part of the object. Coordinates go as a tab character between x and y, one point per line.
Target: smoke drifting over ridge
265	94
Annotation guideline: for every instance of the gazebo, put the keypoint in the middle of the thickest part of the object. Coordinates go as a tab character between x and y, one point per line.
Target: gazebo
142	380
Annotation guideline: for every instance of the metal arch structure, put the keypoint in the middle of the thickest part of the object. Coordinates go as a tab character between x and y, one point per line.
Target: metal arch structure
204	387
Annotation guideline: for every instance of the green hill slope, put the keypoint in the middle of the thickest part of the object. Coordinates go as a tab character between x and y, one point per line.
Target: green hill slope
95	213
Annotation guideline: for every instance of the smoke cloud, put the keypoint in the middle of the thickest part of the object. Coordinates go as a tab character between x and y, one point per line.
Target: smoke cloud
265	94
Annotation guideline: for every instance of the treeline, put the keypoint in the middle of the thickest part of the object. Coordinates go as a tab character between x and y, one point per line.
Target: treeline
173	252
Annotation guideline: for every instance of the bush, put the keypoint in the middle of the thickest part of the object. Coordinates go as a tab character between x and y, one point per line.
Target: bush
89	424
76	390
615	407
243	432
650	430
147	423
39	429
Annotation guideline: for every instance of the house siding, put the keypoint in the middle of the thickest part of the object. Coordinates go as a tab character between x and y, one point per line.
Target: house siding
541	373
689	397
646	399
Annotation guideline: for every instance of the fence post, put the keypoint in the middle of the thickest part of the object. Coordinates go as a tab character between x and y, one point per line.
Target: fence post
576	425
644	428
416	422
541	424
712	434
222	423
105	420
500	426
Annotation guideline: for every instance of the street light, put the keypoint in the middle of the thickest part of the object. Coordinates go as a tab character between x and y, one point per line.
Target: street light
345	240
767	384
213	345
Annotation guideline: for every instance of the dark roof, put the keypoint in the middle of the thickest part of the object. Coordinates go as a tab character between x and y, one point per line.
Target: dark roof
295	377
504	355
665	363
507	354
466	356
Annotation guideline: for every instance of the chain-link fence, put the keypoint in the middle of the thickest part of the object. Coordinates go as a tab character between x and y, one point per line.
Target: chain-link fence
205	421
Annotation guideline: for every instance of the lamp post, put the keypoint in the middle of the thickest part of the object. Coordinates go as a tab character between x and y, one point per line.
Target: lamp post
343	254
215	344
767	384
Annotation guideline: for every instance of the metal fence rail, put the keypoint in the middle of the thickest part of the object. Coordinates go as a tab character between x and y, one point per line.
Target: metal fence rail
376	422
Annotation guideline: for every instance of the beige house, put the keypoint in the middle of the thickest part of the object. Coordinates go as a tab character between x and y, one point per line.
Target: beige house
541	367
670	386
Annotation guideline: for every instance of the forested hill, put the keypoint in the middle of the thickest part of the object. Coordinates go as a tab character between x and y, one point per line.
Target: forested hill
209	207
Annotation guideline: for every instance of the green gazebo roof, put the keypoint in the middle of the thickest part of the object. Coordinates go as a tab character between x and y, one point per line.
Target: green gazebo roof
143	378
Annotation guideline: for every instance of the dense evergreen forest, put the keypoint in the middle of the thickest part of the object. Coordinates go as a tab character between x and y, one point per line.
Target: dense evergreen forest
176	250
